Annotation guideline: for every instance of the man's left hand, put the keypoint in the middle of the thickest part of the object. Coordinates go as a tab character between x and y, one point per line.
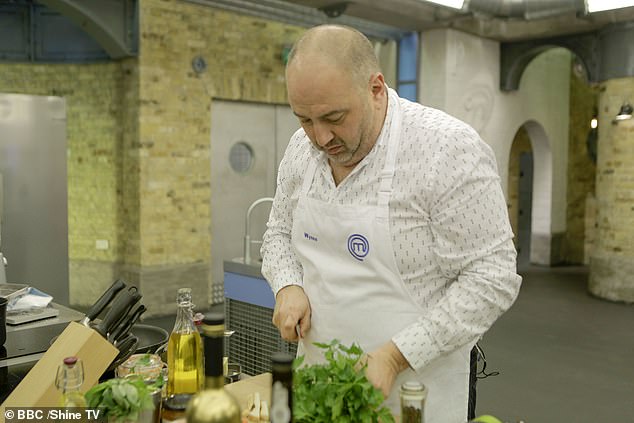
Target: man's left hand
384	365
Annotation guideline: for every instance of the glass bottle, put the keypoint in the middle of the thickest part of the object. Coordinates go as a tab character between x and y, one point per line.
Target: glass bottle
214	404
282	388
413	395
184	350
69	378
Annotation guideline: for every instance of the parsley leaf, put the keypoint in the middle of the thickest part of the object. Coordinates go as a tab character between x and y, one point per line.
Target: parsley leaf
338	391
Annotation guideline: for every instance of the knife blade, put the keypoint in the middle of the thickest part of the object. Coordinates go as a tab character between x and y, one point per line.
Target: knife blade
121	331
102	302
121	305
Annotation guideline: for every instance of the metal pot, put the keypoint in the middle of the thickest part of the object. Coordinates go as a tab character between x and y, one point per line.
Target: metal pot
150	337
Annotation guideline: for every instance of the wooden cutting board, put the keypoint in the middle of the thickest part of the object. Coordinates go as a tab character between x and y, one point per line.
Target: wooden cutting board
249	385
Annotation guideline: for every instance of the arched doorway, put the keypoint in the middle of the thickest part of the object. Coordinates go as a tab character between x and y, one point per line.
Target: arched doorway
530	193
520	189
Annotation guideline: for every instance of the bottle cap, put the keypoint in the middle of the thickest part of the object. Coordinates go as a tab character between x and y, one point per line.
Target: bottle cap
69	361
412	386
214	318
282	358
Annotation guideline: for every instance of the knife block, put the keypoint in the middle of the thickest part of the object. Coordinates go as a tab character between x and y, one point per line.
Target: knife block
38	389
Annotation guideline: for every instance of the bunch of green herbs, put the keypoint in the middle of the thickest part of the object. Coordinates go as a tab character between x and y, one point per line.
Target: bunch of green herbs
337	391
122	399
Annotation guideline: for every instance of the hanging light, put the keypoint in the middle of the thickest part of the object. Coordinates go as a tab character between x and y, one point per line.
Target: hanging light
593	137
594	123
601	5
624	114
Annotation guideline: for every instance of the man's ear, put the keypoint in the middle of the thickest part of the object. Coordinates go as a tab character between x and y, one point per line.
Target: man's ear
377	84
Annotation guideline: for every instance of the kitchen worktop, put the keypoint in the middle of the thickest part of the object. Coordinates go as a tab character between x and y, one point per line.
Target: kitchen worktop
38	331
237	265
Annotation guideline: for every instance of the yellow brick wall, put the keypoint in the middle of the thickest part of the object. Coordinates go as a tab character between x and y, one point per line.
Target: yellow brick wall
581	170
93	94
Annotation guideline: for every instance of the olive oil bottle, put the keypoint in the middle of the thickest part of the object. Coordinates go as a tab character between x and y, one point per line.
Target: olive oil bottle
184	350
214	404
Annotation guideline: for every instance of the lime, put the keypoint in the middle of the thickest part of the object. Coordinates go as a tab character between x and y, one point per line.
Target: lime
486	419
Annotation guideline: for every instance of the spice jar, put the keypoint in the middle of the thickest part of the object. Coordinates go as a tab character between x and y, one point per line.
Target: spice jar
413	395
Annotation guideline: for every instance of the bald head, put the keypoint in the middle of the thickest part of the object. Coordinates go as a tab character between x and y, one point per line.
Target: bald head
344	48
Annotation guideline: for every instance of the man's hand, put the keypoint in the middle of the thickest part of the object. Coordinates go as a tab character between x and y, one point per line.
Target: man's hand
384	365
291	308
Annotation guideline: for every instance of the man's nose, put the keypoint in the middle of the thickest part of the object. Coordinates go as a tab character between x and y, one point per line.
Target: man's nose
323	134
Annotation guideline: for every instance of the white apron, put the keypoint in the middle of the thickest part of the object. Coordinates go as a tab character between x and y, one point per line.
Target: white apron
356	292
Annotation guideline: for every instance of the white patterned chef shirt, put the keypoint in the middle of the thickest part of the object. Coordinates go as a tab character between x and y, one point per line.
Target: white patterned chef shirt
450	229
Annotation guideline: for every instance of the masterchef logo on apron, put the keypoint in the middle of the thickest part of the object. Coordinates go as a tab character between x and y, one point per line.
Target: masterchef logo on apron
358	246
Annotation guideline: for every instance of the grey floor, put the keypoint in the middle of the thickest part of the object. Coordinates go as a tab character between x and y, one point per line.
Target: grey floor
563	355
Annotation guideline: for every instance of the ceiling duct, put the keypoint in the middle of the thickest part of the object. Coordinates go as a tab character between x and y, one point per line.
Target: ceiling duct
525	9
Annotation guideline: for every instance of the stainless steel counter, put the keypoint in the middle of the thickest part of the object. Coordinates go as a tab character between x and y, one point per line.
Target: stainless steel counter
28	333
237	265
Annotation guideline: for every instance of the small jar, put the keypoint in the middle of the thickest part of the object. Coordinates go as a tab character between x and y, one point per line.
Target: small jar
413	395
174	408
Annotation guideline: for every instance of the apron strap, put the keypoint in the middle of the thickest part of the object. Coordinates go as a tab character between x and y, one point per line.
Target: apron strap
393	142
308	177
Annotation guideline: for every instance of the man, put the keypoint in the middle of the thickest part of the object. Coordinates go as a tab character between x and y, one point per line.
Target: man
389	226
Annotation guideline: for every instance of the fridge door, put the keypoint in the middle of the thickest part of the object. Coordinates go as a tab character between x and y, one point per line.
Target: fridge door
34	229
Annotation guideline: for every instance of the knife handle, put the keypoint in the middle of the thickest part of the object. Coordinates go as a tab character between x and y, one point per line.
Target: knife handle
127	347
119	309
122	330
103	301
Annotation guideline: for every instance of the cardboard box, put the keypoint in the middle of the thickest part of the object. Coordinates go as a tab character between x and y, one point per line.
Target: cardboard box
38	389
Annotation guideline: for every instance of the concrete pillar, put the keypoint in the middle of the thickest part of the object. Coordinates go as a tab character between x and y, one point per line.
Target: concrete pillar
612	259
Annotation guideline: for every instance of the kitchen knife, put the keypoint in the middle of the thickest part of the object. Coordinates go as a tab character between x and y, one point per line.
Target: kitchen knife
102	302
123	329
121	305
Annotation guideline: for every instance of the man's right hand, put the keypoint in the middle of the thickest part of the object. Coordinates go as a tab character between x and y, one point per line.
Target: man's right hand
291	308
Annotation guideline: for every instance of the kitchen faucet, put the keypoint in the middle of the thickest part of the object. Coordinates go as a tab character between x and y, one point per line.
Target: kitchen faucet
247	235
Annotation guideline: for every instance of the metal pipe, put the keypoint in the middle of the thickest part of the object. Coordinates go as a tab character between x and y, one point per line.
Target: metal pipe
247	235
